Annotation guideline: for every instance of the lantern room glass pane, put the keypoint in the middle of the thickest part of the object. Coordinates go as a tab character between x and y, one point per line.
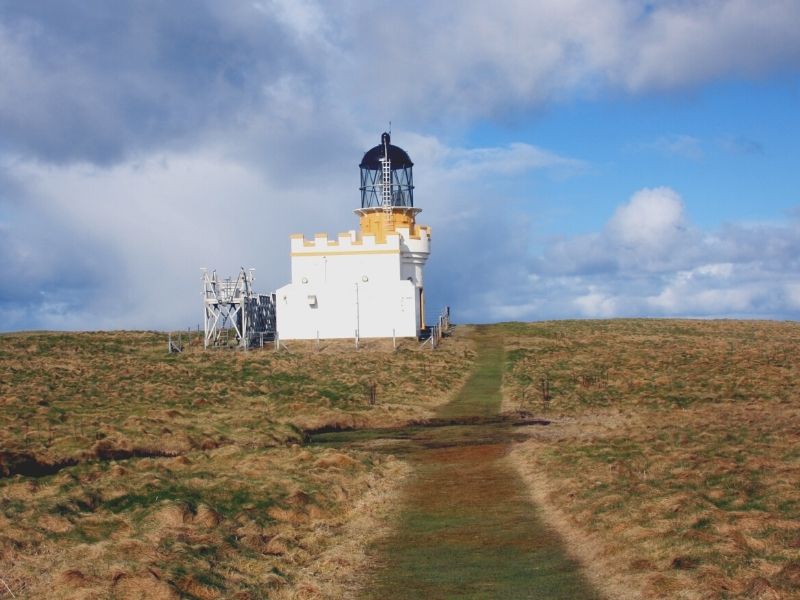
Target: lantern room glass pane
402	192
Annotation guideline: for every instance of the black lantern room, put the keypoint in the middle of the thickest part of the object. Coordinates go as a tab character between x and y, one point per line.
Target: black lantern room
386	176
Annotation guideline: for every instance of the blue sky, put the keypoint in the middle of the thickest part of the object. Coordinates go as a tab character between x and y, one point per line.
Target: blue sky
575	159
726	147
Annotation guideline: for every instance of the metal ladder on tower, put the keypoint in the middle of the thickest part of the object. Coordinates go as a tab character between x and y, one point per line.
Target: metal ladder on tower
386	169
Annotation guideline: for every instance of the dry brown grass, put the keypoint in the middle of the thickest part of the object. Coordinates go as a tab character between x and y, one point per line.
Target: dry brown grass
184	475
96	395
672	466
341	570
231	523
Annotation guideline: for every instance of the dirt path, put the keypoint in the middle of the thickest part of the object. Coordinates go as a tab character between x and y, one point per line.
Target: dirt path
467	528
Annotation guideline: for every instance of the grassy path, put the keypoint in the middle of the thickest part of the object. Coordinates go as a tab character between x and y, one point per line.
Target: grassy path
467	528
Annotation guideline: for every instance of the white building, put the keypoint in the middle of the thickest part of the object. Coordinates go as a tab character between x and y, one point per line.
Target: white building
366	283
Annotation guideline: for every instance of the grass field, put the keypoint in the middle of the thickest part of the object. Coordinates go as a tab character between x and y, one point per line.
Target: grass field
671	467
673	463
128	472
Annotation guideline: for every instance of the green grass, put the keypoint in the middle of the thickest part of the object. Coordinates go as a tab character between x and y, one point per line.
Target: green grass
469	532
480	395
467	528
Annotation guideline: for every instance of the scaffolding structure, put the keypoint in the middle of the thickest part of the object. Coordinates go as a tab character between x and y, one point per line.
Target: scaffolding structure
232	306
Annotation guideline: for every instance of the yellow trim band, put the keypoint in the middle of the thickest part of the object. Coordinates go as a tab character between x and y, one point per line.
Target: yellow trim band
335	253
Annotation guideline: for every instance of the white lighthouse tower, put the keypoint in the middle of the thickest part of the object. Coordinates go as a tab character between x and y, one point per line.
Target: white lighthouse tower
366	283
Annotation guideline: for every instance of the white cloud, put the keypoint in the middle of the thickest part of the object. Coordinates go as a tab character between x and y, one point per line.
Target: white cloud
684	43
147	228
649	260
304	17
478	60
595	303
515	158
652	219
793	296
707	289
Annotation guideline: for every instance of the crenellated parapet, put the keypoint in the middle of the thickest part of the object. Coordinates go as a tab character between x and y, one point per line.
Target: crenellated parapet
410	238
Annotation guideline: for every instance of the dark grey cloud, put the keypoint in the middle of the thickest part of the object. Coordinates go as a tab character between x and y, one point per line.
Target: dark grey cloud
51	269
99	81
95	80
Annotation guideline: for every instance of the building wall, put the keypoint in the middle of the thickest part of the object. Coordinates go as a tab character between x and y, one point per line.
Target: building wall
354	283
338	310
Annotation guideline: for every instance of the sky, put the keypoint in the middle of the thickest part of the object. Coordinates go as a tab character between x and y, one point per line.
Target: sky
575	158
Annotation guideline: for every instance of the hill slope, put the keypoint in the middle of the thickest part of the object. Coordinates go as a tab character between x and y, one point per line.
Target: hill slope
673	463
128	471
670	467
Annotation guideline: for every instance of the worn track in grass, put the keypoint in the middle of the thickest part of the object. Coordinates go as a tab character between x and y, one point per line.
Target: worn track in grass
466	527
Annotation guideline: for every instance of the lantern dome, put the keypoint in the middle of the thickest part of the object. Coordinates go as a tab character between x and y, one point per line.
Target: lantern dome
386	176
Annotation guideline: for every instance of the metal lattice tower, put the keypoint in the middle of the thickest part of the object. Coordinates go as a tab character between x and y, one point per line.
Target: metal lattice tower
230	305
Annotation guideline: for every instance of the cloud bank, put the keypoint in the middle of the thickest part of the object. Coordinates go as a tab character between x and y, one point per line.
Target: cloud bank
145	140
97	82
650	260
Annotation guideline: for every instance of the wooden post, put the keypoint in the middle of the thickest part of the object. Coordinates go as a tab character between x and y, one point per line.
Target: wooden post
545	382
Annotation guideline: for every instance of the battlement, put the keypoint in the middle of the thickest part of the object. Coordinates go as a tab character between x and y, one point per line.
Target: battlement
415	238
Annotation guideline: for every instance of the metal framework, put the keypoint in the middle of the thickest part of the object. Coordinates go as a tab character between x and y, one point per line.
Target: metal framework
232	306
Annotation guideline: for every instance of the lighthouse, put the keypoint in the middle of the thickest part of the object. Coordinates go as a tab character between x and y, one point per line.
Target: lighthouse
365	283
